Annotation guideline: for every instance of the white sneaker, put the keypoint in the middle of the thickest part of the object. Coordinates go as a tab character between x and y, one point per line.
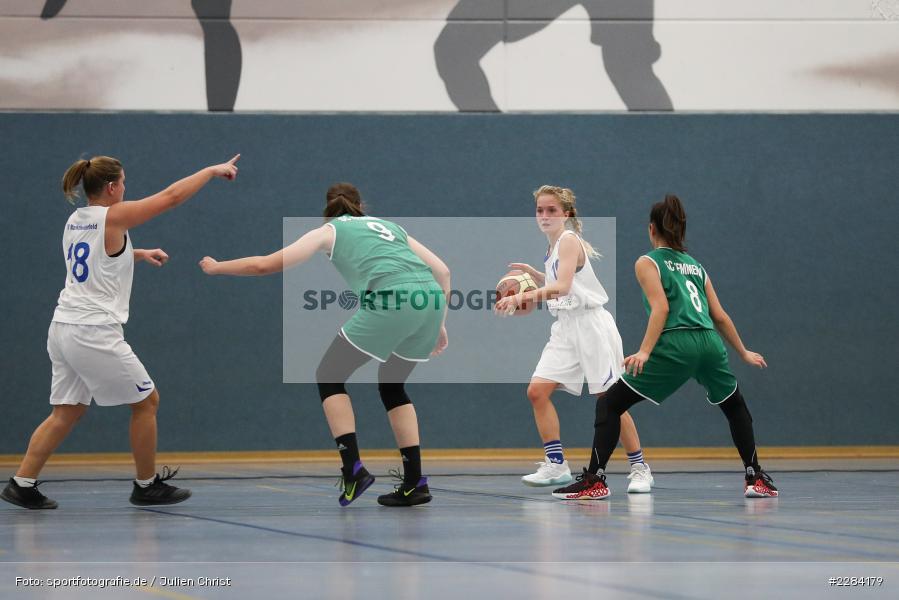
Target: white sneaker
549	473
641	479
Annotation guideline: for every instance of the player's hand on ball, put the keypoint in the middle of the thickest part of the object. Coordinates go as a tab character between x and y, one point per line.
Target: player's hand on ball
506	306
755	359
226	170
525	267
208	265
156	257
633	364
442	342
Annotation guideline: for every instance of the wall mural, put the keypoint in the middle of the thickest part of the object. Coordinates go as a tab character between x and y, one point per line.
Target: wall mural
446	55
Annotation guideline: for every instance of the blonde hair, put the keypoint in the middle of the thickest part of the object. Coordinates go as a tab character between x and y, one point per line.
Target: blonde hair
567	199
93	174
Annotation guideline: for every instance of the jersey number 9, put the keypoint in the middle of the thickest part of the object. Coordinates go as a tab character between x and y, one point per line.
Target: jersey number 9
382	231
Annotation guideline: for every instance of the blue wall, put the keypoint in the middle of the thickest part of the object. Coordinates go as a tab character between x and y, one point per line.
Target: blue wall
792	215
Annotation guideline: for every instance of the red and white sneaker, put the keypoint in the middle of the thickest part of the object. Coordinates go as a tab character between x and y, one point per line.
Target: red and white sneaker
759	485
587	486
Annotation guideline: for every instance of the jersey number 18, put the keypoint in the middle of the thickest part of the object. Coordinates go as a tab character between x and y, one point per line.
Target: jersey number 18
77	255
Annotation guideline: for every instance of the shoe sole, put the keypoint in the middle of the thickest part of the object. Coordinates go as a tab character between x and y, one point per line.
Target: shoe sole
750	493
17	503
590	498
342	499
549	482
415	503
164	503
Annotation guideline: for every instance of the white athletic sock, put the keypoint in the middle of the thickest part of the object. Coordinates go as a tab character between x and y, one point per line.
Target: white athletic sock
24	481
145	482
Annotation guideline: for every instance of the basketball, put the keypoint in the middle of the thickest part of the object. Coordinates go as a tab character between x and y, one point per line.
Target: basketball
514	282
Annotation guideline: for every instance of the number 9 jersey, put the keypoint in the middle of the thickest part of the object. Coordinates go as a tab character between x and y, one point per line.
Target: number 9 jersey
98	286
367	250
683	280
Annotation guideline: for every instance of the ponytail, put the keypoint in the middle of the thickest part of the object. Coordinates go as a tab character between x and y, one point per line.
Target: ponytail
343	199
670	221
93	174
72	178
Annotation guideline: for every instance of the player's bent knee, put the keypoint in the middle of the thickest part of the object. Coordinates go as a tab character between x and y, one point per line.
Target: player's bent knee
616	401
328	389
735	407
393	395
69	414
537	395
148	404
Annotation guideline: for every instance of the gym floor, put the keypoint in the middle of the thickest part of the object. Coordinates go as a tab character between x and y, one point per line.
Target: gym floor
276	528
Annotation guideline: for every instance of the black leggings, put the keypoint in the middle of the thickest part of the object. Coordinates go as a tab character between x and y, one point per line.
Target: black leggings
342	359
620	397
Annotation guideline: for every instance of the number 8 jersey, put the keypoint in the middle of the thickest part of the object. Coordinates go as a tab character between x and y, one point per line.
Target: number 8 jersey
683	280
98	287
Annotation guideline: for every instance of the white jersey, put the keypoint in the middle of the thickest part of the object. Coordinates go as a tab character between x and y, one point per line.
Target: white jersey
586	291
98	287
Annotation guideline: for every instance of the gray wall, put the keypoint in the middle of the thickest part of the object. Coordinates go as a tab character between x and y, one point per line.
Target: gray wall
792	215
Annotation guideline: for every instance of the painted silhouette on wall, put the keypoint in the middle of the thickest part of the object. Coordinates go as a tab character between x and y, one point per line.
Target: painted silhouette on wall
623	28
222	51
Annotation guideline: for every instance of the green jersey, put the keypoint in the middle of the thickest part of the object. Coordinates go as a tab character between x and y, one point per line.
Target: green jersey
368	249
683	280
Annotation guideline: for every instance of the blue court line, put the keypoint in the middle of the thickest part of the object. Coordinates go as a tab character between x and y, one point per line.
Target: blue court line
489	495
817	547
827	549
434	557
787	528
518	474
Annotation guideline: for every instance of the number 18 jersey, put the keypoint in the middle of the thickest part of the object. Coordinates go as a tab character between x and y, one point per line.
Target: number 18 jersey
98	286
683	280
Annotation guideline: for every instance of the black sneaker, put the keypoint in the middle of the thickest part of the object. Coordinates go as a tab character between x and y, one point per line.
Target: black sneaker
407	495
26	497
353	482
159	492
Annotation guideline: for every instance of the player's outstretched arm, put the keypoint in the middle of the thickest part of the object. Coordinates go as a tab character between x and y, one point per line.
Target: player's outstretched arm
156	257
727	329
127	215
317	240
651	283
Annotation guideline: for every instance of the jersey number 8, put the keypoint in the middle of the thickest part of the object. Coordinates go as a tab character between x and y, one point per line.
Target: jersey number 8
694	296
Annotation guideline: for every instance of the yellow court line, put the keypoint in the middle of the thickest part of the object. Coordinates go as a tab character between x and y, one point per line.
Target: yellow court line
468	454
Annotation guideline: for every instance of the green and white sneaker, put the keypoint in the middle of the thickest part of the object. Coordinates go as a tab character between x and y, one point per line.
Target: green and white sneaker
549	473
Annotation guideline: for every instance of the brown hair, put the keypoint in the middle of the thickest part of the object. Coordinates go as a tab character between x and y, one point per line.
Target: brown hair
567	199
93	174
343	199
670	221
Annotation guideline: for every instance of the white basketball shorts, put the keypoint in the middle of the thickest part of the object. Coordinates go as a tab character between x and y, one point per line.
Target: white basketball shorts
583	344
94	361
